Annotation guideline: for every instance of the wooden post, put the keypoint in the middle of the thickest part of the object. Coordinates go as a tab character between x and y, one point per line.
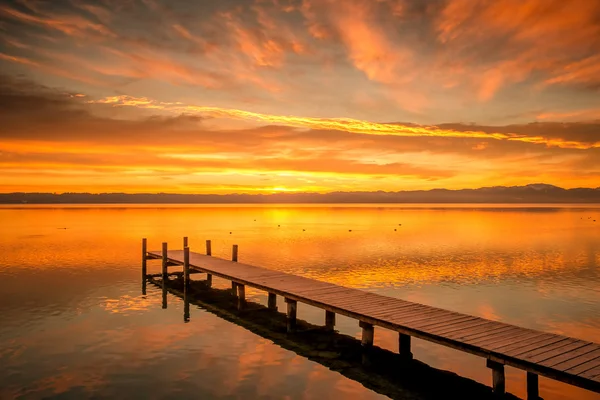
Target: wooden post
208	248
404	346
144	264
241	296
533	391
186	269
234	253
164	261
368	334
272	302
186	306
209	280
164	294
292	307
144	257
329	320
498	379
185	242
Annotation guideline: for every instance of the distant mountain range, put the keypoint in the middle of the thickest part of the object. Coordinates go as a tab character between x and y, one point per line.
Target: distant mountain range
534	193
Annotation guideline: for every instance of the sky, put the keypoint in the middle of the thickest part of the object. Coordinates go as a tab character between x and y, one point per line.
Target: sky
264	96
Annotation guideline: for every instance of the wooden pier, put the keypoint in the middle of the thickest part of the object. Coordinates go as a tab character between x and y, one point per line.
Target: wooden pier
566	359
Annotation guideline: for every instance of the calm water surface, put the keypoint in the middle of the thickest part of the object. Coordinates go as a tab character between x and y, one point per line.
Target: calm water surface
73	323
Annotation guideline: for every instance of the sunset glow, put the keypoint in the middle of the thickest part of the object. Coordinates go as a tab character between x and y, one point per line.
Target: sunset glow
301	95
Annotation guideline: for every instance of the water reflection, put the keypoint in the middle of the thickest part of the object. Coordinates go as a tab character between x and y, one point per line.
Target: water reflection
70	307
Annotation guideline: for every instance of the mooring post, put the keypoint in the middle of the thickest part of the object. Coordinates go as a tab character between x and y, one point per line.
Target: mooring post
234	253
234	257
368	334
164	294
185	242
241	296
164	261
144	257
272	302
404	346
533	391
498	379
186	307
329	320
144	264
208	253
186	269
292	307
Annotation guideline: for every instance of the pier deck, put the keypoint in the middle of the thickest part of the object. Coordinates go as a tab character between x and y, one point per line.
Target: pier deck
562	358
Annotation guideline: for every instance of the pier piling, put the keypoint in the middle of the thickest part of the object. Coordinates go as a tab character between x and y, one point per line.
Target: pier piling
292	307
186	268
404	346
165	260
368	334
234	253
533	391
329	320
498	378
272	302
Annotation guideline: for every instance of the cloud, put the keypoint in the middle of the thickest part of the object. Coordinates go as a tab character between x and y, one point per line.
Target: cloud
58	137
352	125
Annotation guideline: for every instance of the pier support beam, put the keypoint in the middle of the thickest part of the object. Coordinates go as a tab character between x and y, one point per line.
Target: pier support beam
329	320
404	346
234	253
185	242
234	289
144	264
498	378
186	269
241	296
165	261
368	334
208	253
272	302
533	391
292	308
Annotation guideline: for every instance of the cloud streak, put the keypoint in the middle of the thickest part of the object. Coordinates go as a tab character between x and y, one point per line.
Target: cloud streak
339	124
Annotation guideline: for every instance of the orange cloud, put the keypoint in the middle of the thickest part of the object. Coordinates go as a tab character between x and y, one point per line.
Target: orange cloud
339	124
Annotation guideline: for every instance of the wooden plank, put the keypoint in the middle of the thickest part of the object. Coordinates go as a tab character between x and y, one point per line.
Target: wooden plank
508	331
551	362
586	366
592	373
567	349
406	313
495	332
459	327
552	349
512	345
486	326
445	321
519	335
574	362
510	341
407	320
390	310
543	343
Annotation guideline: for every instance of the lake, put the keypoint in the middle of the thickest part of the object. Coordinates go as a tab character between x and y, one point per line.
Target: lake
74	323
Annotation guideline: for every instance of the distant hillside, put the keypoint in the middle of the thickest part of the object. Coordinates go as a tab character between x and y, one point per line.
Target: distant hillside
534	193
